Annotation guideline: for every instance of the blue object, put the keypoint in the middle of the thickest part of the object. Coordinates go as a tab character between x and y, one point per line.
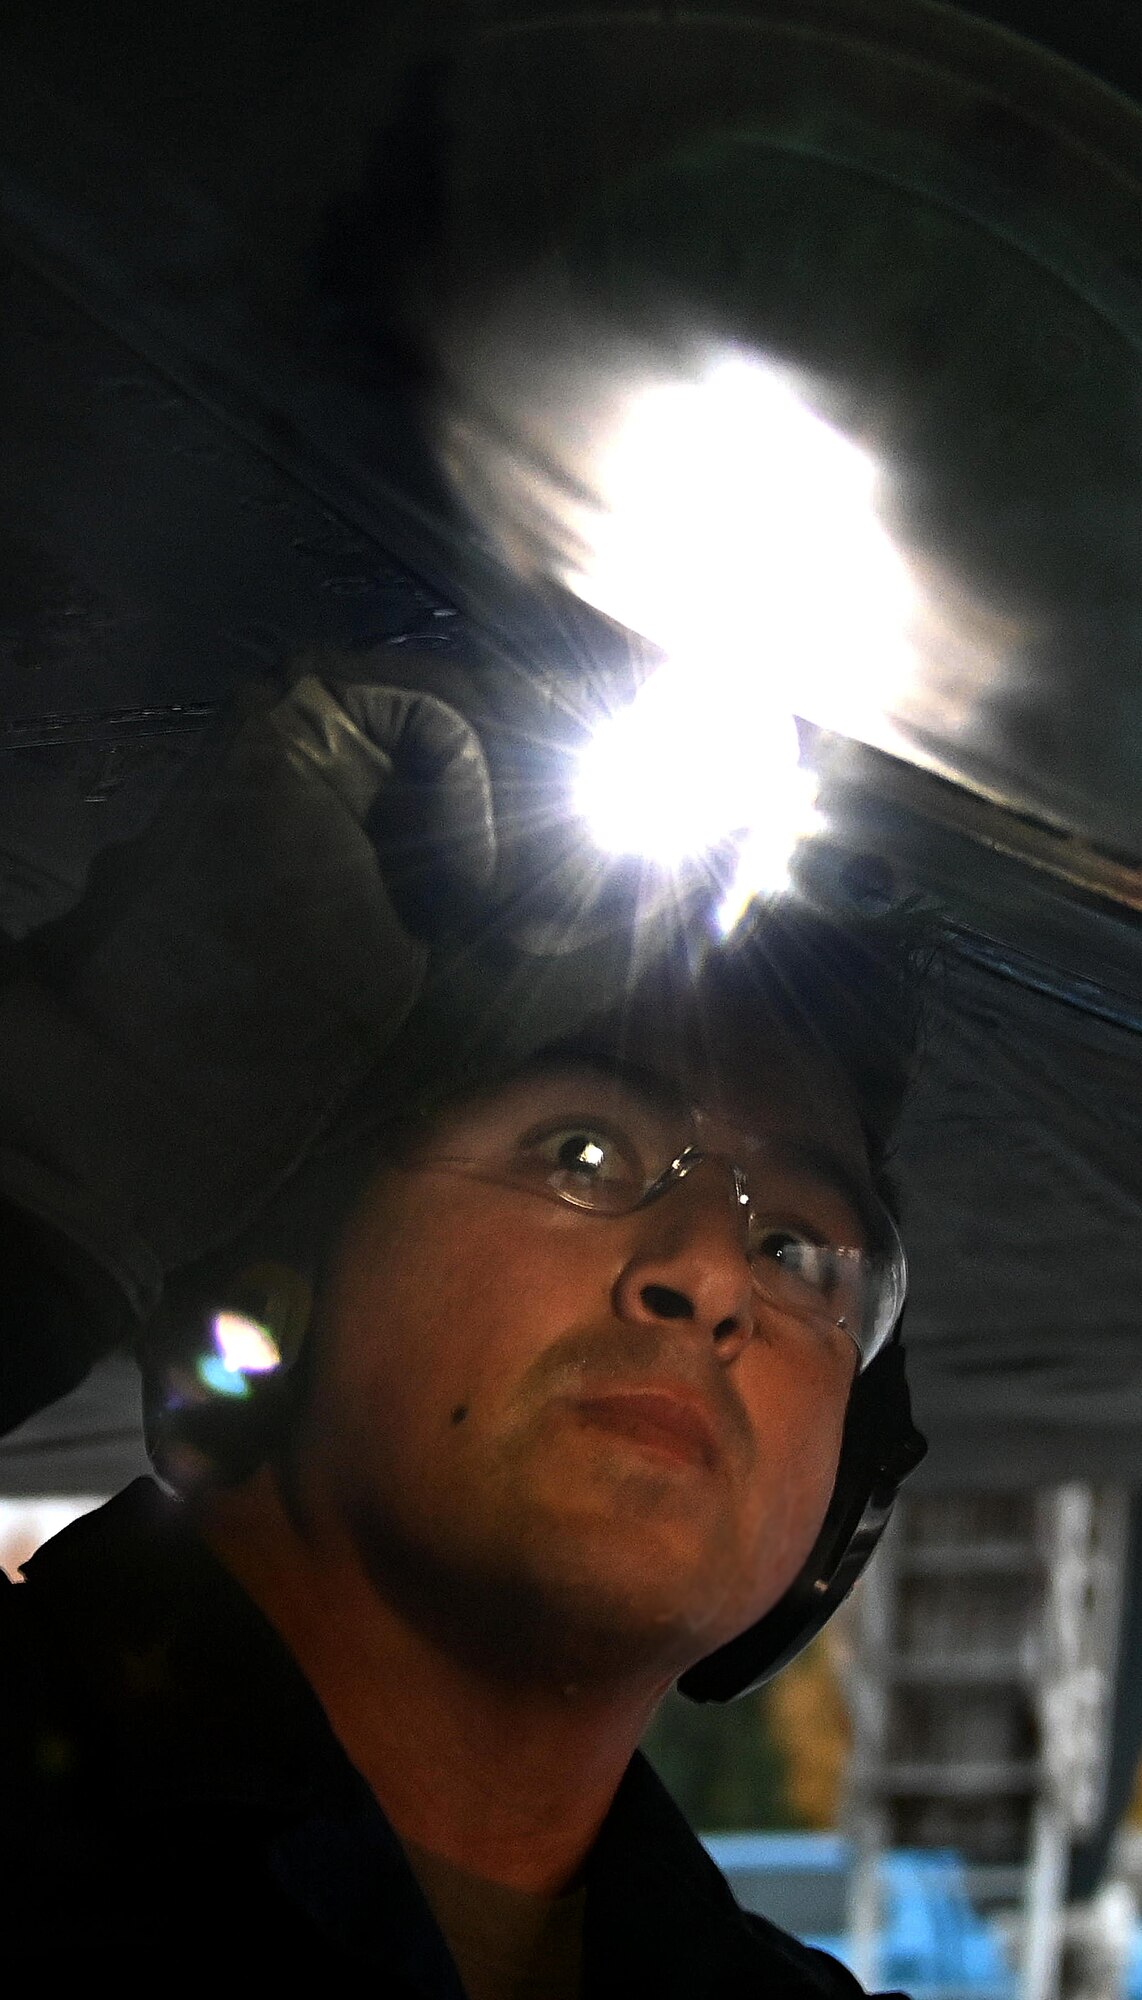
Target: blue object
213	1372
934	1944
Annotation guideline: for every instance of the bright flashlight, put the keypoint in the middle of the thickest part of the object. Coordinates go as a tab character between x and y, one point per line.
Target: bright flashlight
734	524
696	759
741	531
693	492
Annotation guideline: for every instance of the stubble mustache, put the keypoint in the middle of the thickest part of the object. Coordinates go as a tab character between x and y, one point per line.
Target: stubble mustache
589	1361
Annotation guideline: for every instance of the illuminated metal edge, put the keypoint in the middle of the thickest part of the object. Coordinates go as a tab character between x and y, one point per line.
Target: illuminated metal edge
853	774
107	726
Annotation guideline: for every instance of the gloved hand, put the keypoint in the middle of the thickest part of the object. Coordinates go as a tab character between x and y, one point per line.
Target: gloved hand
173	1048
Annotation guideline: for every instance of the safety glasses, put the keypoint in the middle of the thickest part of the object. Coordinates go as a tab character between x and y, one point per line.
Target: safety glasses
821	1247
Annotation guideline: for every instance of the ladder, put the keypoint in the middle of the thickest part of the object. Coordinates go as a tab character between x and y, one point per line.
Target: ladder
983	1649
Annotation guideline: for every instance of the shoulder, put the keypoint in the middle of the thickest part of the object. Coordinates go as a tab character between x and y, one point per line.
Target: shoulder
801	1968
788	1967
663	1906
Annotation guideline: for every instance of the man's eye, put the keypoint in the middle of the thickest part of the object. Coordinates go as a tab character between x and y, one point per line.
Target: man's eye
581	1149
794	1259
585	1159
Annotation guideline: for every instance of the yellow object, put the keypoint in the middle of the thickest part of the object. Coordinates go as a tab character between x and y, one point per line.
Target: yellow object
811	1728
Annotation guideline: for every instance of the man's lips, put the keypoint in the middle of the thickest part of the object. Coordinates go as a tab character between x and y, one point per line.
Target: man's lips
677	1425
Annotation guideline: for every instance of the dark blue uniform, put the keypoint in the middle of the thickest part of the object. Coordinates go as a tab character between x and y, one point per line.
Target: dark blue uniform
176	1808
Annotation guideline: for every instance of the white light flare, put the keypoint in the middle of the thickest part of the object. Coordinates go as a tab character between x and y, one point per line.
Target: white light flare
731	520
244	1346
697	758
741	531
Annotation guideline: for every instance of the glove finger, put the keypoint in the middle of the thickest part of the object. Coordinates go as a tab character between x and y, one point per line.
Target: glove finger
440	797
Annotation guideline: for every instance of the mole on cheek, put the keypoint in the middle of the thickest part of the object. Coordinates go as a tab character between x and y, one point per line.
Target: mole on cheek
459	1413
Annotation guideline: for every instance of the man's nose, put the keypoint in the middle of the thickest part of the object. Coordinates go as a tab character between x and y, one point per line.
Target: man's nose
689	1261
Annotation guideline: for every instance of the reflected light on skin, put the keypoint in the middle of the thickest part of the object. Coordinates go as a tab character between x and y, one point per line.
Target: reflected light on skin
243	1347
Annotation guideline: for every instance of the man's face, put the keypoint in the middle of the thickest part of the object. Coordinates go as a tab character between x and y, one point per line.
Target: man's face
585	1437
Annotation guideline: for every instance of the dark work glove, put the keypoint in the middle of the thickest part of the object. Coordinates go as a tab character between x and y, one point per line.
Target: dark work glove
173	1050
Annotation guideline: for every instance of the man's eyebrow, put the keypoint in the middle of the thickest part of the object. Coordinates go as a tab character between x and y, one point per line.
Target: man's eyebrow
646	1083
